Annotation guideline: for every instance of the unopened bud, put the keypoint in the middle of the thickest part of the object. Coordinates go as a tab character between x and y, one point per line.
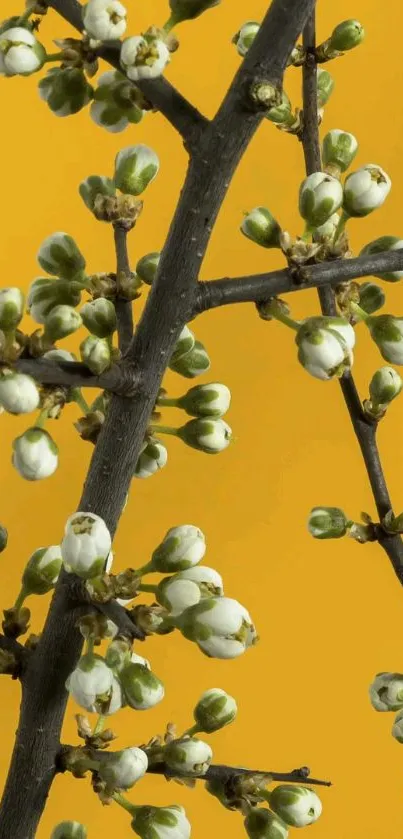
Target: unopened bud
246	36
192	364
147	267
385	243
346	36
371	297
61	322
92	187
181	548
297	806
11	308
99	317
69	830
142	689
387	332
327	523
385	385
325	85
60	256
188	756
365	190
153	457
35	454
320	196
42	570
65	90
210	436
214	710
260	823
135	168
338	151
211	400
397	727
95	354
261	227
386	692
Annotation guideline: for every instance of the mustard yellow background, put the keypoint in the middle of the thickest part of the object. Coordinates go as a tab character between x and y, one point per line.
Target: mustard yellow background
329	614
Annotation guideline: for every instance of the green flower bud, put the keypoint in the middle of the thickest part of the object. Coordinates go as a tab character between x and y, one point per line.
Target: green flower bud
118	654
60	322
387	332
262	824
184	344
372	297
92	187
153	457
190	9
42	570
181	548
96	354
221	627
65	90
20	53
325	83
365	190
11	308
385	243
214	710
135	168
99	317
192	364
346	36
246	36
261	227
320	195
147	267
338	150
210	436
297	806
142	689
3	538
385	385
281	114
327	523
60	256
386	692
212	400
188	756
397	727
161	822
44	294
69	830
115	106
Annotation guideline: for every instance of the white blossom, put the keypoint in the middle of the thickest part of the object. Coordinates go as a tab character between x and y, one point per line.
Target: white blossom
104	20
365	190
20	53
90	683
143	59
320	196
18	392
86	545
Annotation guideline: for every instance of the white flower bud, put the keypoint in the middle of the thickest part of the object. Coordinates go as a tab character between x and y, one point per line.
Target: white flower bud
138	659
161	822
59	355
86	545
297	806
385	243
387	332
325	346
327	523
386	692
187	588
181	548
11	308
397	727
328	229
114	106
20	53
147	268
220	626
188	756
261	227
96	354
206	435
192	364
60	256
153	457
121	770
18	392
104	20
141	688
42	570
365	190
184	344
66	91
69	830
214	710
90	684
246	36
211	400
325	85
135	168
61	322
45	294
320	195
35	454
99	317
143	58
260	823
385	385
338	150
371	297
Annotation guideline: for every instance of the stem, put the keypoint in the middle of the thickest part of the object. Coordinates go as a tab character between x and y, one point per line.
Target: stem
125	803
168	402
20	599
54	56
26	15
307	234
99	725
90	645
359	312
276	312
41	420
194	729
148	568
9	338
79	399
147	587
124	311
340	227
163	429
170	23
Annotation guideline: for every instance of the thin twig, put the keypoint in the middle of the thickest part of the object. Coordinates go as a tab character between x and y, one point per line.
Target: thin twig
258	287
227	773
365	431
124	309
74	374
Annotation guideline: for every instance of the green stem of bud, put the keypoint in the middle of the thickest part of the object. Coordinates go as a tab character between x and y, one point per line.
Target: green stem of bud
78	397
307	233
170	23
145	569
358	311
9	336
41	421
54	56
20	599
123	802
190	732
340	227
99	725
276	312
26	15
147	587
163	429
167	402
90	645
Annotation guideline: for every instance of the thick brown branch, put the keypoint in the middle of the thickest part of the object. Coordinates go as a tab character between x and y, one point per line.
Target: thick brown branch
18	657
364	431
227	773
168	307
124	310
259	287
178	111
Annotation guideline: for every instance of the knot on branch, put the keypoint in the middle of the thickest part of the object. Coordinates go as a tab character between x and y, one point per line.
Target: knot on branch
127	383
79	596
264	95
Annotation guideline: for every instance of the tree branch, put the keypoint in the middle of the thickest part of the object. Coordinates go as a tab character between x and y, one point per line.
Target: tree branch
365	431
74	374
169	305
228	773
258	287
182	115
124	311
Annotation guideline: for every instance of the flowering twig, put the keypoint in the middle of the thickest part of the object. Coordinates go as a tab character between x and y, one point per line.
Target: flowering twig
123	308
224	773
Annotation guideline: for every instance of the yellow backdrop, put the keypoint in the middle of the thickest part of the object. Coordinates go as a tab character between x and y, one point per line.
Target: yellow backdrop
329	614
